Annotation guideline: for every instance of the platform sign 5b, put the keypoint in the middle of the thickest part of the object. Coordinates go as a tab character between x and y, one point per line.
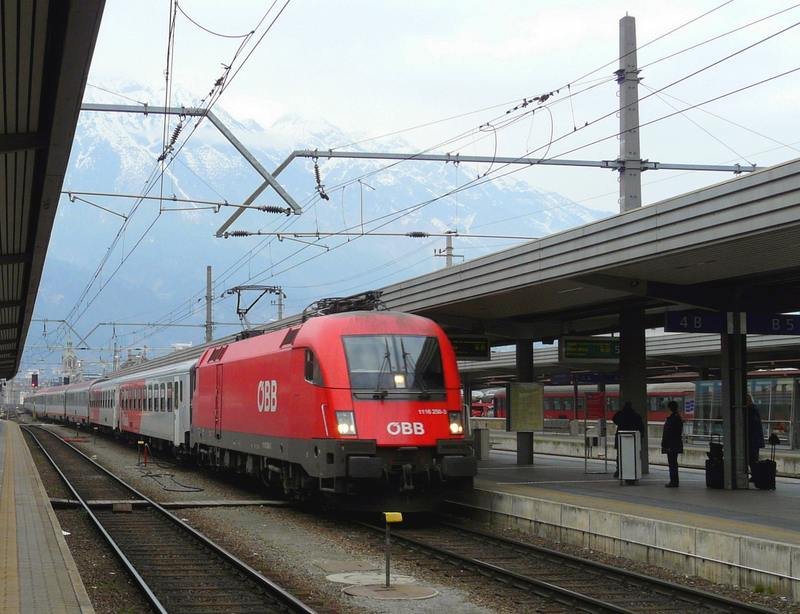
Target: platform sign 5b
773	324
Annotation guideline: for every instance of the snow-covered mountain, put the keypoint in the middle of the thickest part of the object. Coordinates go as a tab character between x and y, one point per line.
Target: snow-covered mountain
159	261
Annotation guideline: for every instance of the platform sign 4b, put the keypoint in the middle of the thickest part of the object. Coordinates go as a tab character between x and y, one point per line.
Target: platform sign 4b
693	322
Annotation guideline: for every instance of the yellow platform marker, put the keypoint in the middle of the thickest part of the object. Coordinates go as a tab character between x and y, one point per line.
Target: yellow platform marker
391	518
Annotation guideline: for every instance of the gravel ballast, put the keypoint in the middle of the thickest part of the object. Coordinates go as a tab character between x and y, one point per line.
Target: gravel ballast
294	547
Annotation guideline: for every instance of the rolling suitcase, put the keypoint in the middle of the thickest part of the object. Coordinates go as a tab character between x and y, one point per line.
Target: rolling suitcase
714	463
714	473
764	471
764	475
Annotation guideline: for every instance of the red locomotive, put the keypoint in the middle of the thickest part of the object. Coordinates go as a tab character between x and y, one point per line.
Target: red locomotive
362	404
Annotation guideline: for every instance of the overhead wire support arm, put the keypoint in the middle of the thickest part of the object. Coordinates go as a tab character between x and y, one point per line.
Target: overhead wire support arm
269	179
454	158
263	290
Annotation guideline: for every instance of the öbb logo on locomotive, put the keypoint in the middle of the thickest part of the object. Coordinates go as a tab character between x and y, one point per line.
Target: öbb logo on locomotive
267	395
405	428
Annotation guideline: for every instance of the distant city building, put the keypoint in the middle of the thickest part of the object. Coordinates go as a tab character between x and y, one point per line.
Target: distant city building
71	368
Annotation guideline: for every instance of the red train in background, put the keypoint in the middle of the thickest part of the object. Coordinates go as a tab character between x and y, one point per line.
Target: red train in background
559	401
363	405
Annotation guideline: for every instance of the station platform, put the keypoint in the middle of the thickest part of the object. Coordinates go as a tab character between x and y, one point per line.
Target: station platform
37	571
748	538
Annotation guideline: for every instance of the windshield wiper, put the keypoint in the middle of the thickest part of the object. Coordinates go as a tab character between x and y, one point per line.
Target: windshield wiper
382	393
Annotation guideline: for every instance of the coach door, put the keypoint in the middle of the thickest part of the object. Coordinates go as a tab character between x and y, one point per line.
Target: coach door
218	405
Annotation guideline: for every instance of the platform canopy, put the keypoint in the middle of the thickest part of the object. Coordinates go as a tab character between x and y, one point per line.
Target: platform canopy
47	47
733	246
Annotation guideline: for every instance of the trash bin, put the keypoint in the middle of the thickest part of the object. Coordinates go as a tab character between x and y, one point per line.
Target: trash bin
715	464
629	457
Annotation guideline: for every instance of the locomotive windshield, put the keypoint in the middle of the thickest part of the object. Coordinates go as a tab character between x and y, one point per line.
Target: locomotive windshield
390	364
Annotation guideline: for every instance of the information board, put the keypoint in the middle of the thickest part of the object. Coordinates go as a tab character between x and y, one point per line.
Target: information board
588	350
471	347
584	377
526	407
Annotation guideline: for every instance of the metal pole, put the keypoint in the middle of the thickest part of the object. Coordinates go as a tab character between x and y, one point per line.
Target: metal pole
388	553
280	304
209	320
630	173
448	260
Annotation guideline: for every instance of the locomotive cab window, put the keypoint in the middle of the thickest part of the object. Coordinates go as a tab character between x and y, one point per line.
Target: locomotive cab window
394	366
312	371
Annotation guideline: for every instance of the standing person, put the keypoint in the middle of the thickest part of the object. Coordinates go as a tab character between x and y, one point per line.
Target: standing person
672	442
626	420
755	433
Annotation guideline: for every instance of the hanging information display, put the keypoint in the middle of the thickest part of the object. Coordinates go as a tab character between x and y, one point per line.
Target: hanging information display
526	407
588	350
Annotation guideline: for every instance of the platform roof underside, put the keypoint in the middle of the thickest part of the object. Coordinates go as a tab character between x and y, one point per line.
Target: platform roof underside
47	47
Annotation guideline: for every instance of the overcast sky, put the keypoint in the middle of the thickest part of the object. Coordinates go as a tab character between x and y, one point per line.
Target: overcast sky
372	67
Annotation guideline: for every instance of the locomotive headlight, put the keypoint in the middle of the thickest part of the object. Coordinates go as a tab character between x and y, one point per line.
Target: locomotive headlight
456	422
345	423
399	380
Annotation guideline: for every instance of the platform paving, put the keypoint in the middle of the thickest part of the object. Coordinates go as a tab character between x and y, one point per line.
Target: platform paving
771	514
743	537
37	571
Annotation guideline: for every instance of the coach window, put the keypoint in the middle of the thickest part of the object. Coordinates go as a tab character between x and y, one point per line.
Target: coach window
180	386
312	371
149	400
169	396
163	394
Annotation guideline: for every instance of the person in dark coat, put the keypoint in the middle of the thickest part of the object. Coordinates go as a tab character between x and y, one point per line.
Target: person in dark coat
755	432
627	419
672	442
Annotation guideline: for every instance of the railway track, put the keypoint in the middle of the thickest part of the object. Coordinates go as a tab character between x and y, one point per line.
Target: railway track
177	568
574	583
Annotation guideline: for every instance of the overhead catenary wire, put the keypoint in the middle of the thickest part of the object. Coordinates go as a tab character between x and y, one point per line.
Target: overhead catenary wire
424	203
703	128
220	85
209	30
579	80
